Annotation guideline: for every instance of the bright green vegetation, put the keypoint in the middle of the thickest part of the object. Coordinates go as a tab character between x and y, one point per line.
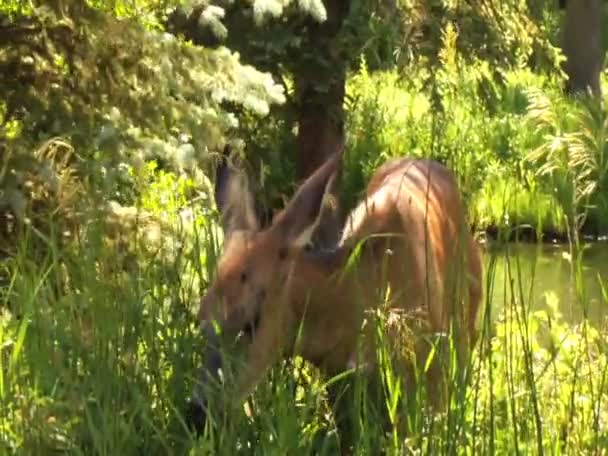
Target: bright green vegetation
99	347
534	158
108	232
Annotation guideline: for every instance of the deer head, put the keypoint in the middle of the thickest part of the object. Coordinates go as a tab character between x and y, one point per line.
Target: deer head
253	270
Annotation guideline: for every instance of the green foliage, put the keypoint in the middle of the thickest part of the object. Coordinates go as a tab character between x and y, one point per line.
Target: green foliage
106	95
572	157
502	33
102	362
548	365
524	154
484	139
509	203
466	61
108	232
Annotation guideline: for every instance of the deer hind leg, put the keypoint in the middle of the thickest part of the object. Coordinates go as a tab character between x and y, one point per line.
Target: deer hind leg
357	401
432	352
341	400
453	318
467	298
475	282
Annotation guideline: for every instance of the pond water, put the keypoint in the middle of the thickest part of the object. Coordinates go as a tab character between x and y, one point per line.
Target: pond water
537	270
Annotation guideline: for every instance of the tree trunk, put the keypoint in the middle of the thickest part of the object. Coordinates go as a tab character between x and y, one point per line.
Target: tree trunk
583	46
319	87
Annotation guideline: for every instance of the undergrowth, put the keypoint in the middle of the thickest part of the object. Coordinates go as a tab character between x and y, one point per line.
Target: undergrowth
99	347
99	342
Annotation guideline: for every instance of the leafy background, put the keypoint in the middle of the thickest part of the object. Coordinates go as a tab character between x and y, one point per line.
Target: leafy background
111	115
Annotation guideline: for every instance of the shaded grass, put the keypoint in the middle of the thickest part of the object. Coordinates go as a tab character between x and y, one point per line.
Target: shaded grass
98	346
99	343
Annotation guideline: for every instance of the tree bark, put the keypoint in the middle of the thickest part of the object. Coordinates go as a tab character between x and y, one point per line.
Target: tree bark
582	45
320	87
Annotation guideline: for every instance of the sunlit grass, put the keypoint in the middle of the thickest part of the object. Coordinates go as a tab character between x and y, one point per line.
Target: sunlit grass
99	345
98	351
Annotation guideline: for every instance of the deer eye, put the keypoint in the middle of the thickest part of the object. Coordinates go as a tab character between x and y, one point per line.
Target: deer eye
244	276
282	253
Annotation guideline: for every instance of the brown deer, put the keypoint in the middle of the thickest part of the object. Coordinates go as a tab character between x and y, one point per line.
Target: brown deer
414	255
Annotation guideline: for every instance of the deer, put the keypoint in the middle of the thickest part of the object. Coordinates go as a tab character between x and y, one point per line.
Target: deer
411	237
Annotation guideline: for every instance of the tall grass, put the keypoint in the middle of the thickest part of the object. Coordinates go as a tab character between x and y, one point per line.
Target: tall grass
99	346
98	337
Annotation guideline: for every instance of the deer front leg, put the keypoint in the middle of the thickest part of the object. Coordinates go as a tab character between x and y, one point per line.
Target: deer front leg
267	347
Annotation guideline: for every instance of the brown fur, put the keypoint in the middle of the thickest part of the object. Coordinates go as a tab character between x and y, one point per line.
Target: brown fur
416	242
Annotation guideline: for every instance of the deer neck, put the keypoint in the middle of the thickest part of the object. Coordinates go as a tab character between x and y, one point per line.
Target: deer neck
321	272
326	300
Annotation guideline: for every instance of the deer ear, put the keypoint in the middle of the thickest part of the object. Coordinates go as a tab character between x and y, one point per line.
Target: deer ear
233	197
297	222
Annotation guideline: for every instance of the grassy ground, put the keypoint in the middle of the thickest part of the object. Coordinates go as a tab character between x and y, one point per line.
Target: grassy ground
98	344
98	337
